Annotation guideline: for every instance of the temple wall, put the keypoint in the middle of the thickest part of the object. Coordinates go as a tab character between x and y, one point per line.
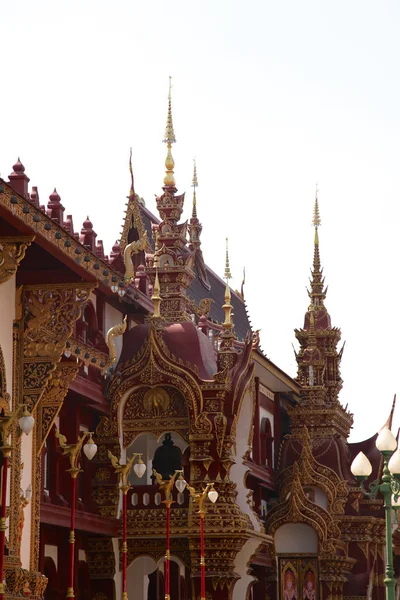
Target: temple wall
239	470
137	577
7	315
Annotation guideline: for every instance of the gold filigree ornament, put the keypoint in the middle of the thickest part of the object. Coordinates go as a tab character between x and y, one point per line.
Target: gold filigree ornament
12	252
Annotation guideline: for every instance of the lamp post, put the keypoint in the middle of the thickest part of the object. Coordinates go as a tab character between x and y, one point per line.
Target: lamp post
123	472
200	498
26	423
166	486
389	484
73	451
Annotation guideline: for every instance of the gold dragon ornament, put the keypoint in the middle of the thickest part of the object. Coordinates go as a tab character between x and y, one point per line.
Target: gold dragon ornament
112	333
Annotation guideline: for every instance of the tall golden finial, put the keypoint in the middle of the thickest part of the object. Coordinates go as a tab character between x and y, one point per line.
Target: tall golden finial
316	217
132	192
227	324
169	179
156	288
195	184
227	274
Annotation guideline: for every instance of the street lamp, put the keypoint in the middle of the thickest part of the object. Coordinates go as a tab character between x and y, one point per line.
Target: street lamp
26	423
123	472
74	451
166	486
200	498
390	484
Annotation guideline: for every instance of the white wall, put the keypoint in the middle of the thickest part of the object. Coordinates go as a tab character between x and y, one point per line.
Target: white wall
137	577
296	537
239	470
7	315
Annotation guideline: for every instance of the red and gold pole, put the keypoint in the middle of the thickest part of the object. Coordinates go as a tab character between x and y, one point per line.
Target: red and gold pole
202	558
168	551
123	472
124	489
73	452
166	486
71	557
6	453
200	498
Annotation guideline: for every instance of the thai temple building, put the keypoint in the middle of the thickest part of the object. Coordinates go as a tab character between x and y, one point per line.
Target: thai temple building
149	357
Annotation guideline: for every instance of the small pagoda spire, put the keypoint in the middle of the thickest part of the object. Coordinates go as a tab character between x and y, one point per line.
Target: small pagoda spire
227	324
169	179
227	274
317	293
195	184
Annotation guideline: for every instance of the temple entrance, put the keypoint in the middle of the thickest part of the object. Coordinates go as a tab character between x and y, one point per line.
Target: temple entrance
296	546
298	578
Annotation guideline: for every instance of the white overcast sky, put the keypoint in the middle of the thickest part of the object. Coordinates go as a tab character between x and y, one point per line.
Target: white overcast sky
270	97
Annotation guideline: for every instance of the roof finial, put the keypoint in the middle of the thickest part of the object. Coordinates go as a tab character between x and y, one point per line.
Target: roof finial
227	274
169	179
317	293
132	192
195	184
227	324
316	217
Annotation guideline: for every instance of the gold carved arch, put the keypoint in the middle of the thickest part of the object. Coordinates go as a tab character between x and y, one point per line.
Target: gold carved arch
297	508
313	473
154	365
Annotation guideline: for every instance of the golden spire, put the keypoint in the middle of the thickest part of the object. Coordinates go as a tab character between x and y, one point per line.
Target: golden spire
227	274
316	217
227	324
169	179
194	186
317	293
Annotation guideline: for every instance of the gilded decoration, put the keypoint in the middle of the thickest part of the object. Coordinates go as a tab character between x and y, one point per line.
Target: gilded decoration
155	410
12	252
152	366
312	473
47	320
53	398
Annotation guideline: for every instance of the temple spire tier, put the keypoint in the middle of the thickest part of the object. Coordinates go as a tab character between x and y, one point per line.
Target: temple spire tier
195	227
172	259
318	358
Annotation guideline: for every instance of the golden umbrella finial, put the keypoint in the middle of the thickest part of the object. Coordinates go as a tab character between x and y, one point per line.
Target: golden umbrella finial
195	184
227	325
227	274
169	179
316	217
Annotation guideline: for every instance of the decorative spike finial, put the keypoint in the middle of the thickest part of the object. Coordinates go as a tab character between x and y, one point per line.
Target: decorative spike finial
132	191
195	184
169	179
227	324
316	217
227	274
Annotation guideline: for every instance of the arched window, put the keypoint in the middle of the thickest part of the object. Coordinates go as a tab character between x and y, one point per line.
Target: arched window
266	440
